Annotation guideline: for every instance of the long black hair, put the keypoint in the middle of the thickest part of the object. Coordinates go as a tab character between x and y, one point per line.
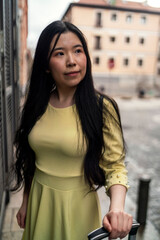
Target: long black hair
87	104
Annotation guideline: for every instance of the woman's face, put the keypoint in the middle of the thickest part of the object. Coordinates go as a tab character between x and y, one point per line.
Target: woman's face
68	61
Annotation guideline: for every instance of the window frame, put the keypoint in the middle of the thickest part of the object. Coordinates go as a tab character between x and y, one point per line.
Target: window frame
129	16
112	18
143	19
98	21
95	62
111	63
112	39
126	63
97	45
140	62
141	40
127	37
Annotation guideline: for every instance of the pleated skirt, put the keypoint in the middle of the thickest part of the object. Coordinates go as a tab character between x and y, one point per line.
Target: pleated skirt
61	208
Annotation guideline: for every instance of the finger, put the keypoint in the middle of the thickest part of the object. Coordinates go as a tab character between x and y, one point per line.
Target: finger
126	226
120	222
22	225
130	221
114	225
107	224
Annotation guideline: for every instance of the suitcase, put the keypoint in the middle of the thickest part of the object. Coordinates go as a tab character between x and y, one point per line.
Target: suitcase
101	233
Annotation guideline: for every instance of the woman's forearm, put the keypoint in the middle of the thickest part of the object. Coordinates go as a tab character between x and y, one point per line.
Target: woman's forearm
117	221
117	197
21	214
25	196
26	192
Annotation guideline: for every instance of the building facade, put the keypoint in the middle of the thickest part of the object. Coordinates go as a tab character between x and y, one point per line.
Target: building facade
11	80
124	42
24	53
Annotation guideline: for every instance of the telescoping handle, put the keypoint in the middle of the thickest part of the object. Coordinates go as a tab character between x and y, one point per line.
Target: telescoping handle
101	233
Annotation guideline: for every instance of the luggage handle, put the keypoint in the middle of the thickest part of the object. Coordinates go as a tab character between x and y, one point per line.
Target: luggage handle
101	233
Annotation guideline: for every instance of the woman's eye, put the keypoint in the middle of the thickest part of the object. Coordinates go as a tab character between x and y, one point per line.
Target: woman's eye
59	54
78	50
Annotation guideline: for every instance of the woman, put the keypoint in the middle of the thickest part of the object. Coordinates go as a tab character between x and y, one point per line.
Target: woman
68	144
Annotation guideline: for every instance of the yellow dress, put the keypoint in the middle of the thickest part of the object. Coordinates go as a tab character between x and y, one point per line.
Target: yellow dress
61	205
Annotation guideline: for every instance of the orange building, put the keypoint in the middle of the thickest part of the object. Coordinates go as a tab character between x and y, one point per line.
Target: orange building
124	42
24	53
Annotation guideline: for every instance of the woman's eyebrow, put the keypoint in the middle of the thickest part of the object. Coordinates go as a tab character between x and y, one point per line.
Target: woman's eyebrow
61	48
78	45
56	49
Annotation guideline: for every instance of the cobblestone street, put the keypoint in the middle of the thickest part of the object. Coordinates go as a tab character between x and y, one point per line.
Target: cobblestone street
141	123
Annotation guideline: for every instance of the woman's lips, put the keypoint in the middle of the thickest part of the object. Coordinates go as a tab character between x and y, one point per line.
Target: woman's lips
72	74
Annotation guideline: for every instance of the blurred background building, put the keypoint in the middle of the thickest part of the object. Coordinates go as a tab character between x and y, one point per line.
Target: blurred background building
124	43
13	76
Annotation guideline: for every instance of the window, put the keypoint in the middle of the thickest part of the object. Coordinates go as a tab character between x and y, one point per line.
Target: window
114	17
141	40
143	19
140	62
111	63
96	61
128	18
97	42
112	39
99	19
127	39
126	62
158	58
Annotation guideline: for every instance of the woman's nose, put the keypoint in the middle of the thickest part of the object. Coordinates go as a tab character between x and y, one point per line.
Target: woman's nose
70	60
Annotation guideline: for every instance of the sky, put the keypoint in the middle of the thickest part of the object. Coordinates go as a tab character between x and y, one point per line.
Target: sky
42	12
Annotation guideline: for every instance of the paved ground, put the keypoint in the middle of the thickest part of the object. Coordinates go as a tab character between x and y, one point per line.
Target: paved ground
141	122
11	230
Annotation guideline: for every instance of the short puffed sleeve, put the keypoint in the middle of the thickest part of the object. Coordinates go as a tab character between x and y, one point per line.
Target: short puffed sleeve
112	161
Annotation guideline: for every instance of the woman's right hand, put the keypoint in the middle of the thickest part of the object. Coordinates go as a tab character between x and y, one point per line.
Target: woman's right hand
21	215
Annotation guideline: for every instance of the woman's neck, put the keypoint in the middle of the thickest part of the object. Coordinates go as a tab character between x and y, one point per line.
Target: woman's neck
62	99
